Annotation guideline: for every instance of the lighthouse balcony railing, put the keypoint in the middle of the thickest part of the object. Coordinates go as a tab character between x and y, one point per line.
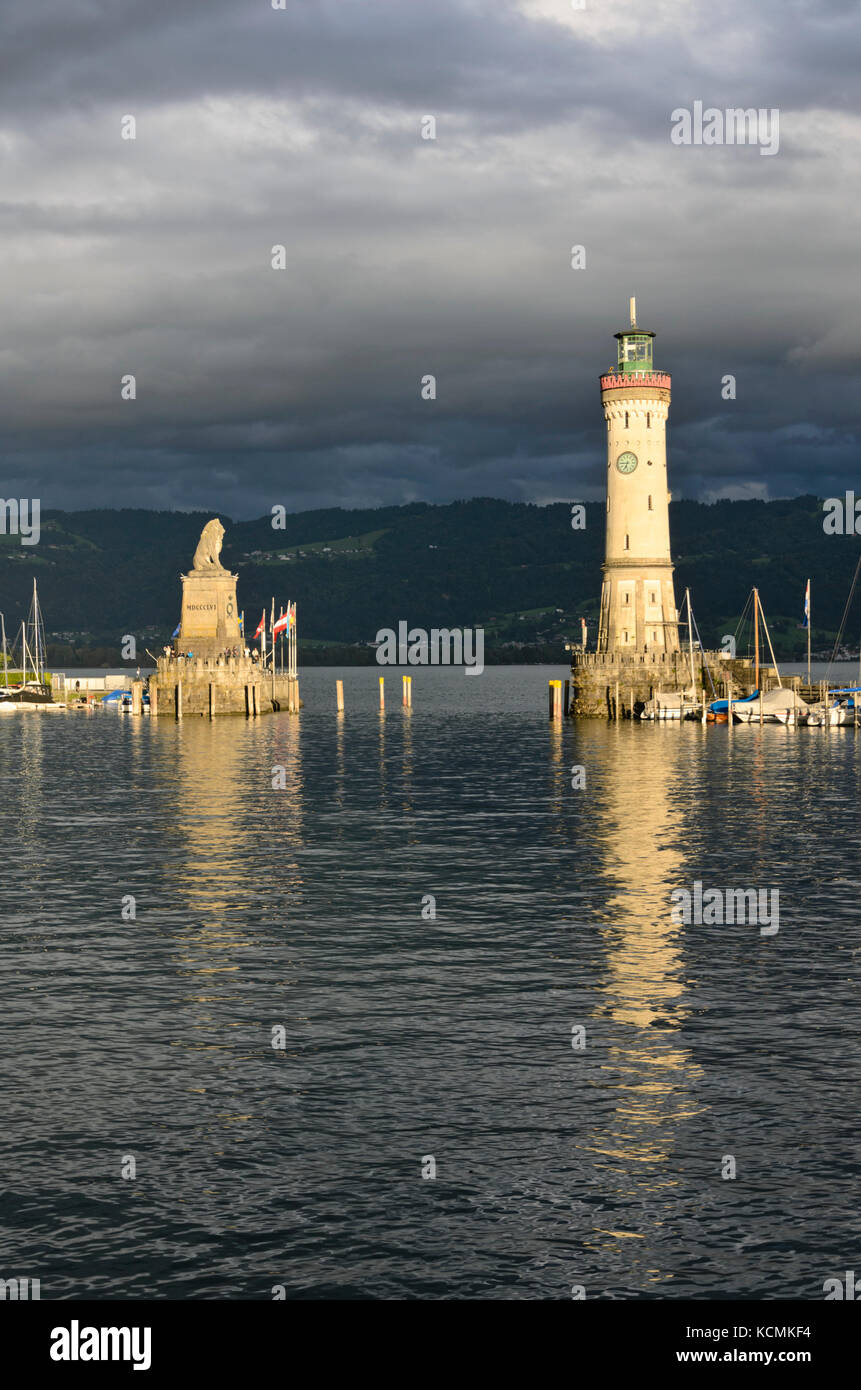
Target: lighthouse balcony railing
615	381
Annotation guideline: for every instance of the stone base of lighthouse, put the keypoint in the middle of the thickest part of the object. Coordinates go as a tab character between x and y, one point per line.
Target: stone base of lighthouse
598	679
638	608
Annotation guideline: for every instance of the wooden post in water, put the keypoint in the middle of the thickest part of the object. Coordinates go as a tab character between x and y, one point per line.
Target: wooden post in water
382	692
616	703
408	692
153	700
566	700
137	697
632	702
339	694
555	695
179	699
211	700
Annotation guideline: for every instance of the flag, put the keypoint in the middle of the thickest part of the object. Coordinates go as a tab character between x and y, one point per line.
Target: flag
282	624
261	627
806	622
175	633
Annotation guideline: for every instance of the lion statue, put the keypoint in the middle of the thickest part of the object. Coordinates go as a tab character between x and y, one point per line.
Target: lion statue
209	547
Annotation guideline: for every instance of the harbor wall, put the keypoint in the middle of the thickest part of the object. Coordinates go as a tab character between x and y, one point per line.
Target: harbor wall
210	687
597	678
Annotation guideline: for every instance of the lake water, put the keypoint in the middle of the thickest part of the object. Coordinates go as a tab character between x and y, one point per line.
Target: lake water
408	1038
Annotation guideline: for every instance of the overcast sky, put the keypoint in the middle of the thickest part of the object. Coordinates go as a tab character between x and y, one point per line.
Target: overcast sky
408	257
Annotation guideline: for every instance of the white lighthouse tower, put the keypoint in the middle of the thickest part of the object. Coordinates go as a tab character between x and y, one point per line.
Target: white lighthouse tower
638	606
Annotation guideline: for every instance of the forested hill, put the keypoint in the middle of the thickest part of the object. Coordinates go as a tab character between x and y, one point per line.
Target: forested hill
519	570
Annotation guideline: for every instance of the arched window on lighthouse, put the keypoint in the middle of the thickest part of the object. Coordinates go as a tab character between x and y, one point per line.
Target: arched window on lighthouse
650	502
648	419
627	542
626	419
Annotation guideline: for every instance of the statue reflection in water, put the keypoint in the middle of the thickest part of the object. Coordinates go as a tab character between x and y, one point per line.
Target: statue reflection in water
237	885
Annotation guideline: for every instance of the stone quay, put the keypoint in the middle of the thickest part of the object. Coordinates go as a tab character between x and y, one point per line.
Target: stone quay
210	686
612	685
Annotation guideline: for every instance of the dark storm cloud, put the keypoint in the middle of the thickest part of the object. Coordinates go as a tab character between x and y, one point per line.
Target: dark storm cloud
407	257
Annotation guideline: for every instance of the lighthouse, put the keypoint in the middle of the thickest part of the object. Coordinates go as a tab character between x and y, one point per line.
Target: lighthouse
638	654
638	607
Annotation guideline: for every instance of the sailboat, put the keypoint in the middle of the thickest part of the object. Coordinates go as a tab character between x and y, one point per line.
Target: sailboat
781	706
840	707
32	692
677	704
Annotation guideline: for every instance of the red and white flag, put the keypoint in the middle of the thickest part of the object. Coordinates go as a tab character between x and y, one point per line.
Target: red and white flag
282	624
261	626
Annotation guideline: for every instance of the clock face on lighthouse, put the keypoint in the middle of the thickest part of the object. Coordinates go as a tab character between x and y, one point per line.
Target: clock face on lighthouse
627	462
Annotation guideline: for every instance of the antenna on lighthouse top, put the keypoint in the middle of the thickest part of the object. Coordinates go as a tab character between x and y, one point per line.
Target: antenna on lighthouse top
633	312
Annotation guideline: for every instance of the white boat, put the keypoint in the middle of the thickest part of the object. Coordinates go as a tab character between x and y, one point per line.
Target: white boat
781	706
671	704
839	712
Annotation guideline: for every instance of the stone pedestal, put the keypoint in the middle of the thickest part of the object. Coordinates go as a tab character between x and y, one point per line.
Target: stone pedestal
209	625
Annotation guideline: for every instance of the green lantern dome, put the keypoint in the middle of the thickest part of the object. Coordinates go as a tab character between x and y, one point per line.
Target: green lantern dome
635	347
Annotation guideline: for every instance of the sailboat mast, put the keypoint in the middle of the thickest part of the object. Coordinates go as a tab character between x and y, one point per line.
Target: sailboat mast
38	637
691	642
756	638
5	657
809	616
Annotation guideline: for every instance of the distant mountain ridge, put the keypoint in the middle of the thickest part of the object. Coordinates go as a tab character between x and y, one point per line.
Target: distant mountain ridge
517	569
